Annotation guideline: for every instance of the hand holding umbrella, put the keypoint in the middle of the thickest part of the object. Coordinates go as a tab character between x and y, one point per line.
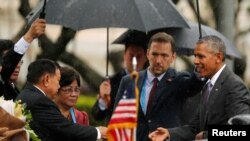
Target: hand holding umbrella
104	92
36	29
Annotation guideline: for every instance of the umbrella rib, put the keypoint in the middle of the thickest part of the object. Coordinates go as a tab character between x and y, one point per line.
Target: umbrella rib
140	15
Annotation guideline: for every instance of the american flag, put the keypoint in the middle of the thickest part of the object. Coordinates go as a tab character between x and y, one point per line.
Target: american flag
122	125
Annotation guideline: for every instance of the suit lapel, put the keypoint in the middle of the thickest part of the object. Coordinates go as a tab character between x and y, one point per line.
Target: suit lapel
164	83
217	86
142	76
216	90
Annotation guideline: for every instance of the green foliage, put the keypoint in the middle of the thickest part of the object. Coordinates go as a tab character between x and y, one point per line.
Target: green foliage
28	117
85	103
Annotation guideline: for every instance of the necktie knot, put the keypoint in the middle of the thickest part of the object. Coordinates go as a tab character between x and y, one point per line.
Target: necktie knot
155	81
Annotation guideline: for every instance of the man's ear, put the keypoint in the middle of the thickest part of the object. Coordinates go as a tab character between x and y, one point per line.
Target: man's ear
147	54
46	79
219	57
173	57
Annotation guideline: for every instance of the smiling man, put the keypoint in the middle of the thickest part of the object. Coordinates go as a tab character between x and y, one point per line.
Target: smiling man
223	96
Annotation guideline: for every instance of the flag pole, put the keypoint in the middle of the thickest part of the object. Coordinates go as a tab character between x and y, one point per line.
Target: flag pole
135	77
124	117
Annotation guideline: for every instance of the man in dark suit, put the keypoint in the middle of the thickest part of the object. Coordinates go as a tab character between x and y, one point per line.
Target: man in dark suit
11	56
47	121
226	96
135	45
163	107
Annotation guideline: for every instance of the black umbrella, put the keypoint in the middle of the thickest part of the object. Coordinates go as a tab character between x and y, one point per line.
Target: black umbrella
132	37
143	15
185	39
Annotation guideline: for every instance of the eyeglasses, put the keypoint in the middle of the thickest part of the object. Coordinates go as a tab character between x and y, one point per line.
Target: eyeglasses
70	89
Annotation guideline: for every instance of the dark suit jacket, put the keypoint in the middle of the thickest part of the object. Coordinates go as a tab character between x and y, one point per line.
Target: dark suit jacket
48	122
172	90
10	60
229	97
105	115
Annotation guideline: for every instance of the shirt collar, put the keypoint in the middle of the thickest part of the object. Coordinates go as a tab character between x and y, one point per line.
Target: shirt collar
40	89
217	74
151	77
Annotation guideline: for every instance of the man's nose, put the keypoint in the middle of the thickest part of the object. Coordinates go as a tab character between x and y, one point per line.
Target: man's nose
196	60
158	59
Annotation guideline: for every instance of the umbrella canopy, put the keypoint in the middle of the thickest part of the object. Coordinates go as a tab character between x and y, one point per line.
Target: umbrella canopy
185	39
143	15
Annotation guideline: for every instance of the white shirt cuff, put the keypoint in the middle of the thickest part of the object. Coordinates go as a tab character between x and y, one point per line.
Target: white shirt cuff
102	105
98	133
21	46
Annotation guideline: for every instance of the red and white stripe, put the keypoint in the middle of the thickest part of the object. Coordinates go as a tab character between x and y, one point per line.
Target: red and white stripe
124	120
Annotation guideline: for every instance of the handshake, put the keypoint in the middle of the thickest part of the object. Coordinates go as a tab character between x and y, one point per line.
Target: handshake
103	131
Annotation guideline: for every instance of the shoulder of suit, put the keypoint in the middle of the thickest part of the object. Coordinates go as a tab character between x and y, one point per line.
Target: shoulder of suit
183	75
127	76
228	75
118	75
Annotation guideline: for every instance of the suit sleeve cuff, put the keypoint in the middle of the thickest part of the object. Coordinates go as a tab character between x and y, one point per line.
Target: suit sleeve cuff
21	46
98	133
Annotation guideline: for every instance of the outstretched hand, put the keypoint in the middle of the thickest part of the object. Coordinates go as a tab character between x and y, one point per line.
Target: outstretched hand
160	134
199	136
103	131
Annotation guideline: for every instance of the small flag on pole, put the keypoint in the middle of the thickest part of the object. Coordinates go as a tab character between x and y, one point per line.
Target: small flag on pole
122	125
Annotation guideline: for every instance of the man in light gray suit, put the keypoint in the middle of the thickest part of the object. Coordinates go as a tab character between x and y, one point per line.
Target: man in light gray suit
226	96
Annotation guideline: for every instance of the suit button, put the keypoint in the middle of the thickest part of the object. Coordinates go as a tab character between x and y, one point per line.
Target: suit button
149	121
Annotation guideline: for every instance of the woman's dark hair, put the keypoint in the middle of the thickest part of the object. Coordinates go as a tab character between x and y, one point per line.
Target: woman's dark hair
68	75
40	67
